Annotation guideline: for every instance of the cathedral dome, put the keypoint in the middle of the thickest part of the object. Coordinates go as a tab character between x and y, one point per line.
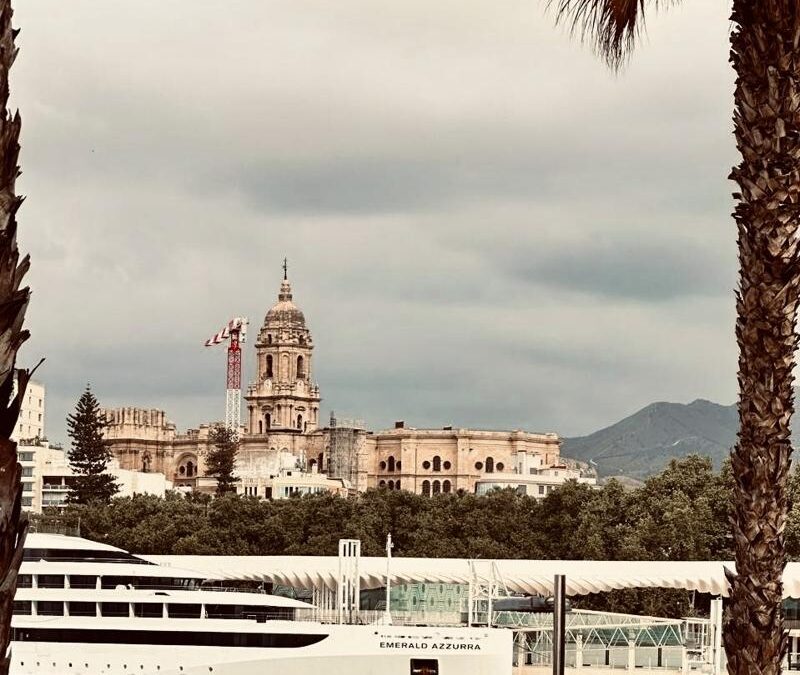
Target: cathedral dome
285	312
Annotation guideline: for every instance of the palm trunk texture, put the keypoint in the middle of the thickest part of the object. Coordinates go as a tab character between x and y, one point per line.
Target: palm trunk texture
765	53
13	303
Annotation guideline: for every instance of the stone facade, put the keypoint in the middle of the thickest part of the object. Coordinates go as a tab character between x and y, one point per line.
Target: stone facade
282	433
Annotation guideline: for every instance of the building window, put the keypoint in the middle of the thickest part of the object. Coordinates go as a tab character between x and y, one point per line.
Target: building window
300	422
27	501
382	484
391	485
269	339
398	465
541	489
426	488
479	466
437	463
27	487
383	466
301	368
437	487
501	466
426	465
391	463
397	485
261	426
446	486
269	365
447	466
27	471
489	465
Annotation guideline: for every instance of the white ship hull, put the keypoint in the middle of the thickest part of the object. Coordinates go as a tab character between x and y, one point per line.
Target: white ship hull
346	650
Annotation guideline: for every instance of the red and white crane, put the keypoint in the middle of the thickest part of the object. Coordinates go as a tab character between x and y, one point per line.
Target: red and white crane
236	332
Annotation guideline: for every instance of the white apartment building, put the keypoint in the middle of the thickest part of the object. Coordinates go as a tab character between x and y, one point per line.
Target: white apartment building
47	476
535	482
31	415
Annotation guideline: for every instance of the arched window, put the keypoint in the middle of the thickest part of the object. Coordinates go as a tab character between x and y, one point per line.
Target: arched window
269	339
426	488
391	485
437	487
261	426
382	484
398	466
182	470
300	422
383	466
269	365
489	465
319	461
446	486
268	420
301	368
437	463
189	469
397	485
391	463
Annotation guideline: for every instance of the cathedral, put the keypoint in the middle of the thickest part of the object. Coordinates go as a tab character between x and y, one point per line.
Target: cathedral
282	434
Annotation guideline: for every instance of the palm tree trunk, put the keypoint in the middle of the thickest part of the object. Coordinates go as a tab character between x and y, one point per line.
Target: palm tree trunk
13	303
765	53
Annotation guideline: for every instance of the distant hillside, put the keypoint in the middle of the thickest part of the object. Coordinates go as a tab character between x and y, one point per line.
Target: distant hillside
643	443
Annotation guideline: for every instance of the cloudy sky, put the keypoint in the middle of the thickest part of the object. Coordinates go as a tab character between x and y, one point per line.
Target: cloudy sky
485	226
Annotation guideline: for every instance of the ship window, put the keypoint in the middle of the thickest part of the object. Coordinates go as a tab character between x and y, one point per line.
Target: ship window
25	581
148	610
83	609
23	607
184	611
181	638
82	581
424	667
50	608
50	581
114	608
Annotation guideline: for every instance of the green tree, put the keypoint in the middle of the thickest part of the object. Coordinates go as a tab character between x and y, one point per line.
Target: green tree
221	458
89	454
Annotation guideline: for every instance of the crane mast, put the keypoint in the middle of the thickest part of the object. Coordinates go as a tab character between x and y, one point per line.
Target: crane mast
235	332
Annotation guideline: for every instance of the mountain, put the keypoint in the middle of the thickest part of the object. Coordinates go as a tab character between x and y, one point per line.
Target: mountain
643	443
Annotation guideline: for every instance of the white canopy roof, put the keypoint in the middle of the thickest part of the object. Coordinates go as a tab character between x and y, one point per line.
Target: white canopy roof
526	576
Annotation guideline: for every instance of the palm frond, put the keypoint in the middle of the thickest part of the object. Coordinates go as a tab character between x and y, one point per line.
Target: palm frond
610	26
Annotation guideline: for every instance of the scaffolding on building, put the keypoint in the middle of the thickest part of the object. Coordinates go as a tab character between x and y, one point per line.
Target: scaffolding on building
347	438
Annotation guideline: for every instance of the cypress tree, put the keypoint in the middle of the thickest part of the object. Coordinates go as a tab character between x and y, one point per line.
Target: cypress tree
221	458
89	454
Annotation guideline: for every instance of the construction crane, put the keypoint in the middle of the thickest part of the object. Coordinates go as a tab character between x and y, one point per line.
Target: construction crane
236	332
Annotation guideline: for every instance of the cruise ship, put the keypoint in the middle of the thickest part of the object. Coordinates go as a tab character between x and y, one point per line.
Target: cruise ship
88	608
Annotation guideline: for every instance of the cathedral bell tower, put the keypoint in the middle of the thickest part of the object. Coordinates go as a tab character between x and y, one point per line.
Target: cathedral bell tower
283	397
